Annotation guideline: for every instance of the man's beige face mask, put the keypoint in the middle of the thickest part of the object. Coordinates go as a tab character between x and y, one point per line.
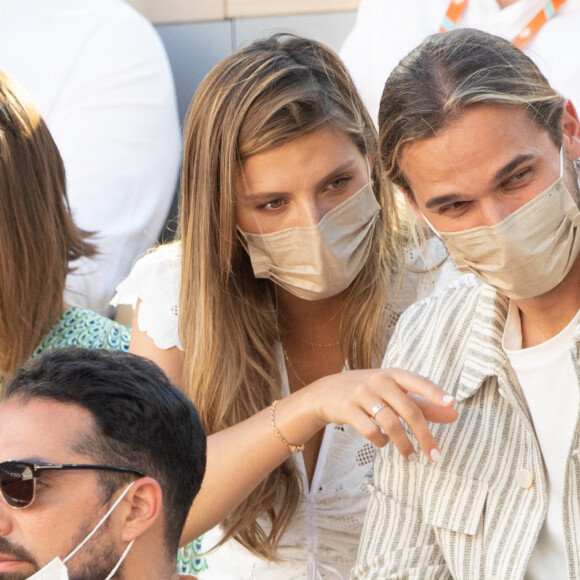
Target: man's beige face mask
529	252
319	261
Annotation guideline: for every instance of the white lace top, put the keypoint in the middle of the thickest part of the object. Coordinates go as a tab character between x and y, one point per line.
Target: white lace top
323	539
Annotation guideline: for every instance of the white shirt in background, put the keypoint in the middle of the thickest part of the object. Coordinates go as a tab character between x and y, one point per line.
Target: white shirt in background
387	30
100	77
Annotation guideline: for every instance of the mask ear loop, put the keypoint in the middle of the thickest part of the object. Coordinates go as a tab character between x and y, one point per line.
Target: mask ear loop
121	559
430	226
101	522
561	162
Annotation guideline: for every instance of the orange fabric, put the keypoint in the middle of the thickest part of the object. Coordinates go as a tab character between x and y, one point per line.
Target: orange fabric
456	7
537	22
452	15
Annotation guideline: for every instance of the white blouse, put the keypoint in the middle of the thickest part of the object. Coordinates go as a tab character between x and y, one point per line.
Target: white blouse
322	540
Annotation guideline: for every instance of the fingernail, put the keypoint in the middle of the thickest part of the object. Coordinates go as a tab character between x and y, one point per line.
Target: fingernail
435	455
412	458
448	399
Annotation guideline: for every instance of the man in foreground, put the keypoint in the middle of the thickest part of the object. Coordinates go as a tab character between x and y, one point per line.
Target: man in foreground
483	148
100	459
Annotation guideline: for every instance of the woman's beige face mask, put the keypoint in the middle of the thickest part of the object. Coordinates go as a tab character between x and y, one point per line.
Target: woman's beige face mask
319	261
529	252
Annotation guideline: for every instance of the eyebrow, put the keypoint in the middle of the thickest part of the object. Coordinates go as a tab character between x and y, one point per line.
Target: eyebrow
335	172
513	164
499	176
37	460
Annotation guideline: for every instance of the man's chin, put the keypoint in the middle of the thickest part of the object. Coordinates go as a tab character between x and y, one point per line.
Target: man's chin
16	575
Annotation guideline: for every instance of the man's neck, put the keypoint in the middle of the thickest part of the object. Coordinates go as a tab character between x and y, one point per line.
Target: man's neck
152	564
546	316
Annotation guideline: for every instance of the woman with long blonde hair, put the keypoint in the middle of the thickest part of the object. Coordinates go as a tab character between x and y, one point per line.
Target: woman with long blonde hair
39	243
288	270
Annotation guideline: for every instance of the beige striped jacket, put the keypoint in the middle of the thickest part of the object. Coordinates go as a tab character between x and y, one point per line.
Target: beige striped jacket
476	514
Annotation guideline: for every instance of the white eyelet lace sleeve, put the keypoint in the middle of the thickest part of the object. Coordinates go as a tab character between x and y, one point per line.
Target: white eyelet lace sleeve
155	280
428	270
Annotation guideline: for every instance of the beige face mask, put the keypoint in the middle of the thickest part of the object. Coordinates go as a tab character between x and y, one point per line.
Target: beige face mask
529	252
322	260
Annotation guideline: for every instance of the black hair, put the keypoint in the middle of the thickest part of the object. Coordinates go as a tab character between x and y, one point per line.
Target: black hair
143	421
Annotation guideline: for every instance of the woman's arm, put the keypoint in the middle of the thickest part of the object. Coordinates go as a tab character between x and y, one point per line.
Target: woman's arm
241	456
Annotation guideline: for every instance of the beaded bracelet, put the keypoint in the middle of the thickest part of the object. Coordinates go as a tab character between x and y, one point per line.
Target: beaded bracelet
293	448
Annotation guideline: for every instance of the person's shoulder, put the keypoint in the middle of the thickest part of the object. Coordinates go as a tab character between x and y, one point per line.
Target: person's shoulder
87	329
155	281
155	274
450	302
437	329
165	254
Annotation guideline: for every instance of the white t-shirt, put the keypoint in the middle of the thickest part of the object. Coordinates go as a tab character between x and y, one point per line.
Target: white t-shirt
548	379
385	31
99	75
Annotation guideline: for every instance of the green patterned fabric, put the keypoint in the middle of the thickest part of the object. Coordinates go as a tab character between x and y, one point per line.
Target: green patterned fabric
189	560
87	329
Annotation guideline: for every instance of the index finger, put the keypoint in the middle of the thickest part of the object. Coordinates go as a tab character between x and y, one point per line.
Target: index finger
416	384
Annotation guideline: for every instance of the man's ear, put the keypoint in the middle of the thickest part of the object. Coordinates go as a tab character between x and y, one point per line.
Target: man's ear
571	130
143	509
411	202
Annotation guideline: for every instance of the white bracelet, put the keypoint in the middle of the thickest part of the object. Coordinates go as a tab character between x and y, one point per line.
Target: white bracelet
293	448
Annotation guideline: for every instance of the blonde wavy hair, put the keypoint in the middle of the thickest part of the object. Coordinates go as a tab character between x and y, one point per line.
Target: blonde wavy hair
38	238
261	97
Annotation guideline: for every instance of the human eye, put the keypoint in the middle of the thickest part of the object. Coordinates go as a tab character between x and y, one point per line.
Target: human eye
338	183
454	208
271	205
521	177
41	482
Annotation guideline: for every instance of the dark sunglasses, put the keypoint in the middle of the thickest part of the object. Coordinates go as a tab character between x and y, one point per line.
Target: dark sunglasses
18	478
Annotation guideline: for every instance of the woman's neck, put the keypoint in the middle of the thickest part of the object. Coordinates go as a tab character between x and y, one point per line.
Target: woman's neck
316	321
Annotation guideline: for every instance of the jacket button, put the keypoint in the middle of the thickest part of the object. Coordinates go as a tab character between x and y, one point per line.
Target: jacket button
525	479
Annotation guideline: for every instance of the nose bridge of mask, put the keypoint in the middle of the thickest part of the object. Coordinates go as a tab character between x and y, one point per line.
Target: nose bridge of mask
363	201
101	522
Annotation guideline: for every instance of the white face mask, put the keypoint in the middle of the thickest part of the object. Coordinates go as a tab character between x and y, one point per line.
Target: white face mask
318	261
56	569
529	252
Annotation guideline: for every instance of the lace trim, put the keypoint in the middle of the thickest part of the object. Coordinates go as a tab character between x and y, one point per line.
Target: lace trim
155	280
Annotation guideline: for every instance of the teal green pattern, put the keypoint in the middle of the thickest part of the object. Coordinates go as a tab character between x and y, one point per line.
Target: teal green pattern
189	560
87	329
